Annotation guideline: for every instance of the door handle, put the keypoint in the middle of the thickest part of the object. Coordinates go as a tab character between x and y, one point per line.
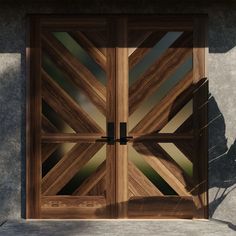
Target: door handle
123	134
110	138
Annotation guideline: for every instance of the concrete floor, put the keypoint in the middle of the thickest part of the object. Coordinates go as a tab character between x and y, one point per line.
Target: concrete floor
161	227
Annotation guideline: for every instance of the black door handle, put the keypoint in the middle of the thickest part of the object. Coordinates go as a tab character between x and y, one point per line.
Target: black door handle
123	134
110	138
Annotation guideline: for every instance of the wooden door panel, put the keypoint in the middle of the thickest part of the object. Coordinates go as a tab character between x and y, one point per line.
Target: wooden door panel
163	120
72	110
147	72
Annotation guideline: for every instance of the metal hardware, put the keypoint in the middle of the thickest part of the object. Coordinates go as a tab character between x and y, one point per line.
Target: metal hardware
123	134
110	138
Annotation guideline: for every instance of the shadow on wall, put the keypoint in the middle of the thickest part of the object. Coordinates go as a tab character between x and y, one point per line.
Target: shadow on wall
222	161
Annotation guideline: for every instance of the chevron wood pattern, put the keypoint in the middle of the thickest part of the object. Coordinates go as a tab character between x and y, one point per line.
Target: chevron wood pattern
149	70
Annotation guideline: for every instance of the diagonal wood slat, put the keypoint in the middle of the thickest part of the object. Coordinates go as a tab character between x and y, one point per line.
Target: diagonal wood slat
90	48
68	166
145	47
68	109
165	167
187	148
99	39
77	72
47	126
135	39
139	184
47	149
99	189
160	114
91	181
160	71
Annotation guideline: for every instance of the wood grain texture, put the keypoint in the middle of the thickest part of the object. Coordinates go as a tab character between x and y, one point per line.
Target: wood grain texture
162	207
160	70
68	166
106	41
200	120
165	166
66	107
77	72
100	39
121	115
99	189
135	38
91	181
161	113
33	120
47	126
110	178
145	47
90	48
139	184
73	207
47	149
64	138
161	137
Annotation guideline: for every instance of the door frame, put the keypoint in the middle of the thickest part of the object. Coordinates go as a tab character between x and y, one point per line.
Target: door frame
35	23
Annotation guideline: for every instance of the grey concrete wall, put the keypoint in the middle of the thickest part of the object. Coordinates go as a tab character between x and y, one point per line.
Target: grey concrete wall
222	109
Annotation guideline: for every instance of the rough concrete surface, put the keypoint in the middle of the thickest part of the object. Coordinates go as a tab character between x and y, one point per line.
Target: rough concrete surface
222	114
119	228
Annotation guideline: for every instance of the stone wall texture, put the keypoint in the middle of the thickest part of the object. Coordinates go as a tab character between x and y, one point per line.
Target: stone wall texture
222	89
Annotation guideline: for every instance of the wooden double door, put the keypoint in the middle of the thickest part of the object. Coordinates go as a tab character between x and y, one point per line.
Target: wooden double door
117	117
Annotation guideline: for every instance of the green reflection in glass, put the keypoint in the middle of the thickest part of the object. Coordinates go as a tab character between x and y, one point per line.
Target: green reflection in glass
85	172
149	172
152	56
55	157
163	90
76	50
179	157
55	119
77	94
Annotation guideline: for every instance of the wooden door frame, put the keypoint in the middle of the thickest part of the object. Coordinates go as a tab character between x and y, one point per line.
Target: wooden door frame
35	23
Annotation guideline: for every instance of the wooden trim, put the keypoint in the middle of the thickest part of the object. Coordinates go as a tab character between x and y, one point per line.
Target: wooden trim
74	207
70	138
161	137
110	178
165	207
121	107
200	120
33	120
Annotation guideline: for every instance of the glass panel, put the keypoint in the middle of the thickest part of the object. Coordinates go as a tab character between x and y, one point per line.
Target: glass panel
178	119
149	172
179	157
77	94
76	50
88	169
163	90
153	55
55	119
55	157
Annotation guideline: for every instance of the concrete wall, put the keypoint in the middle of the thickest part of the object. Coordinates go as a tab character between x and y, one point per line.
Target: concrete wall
222	109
